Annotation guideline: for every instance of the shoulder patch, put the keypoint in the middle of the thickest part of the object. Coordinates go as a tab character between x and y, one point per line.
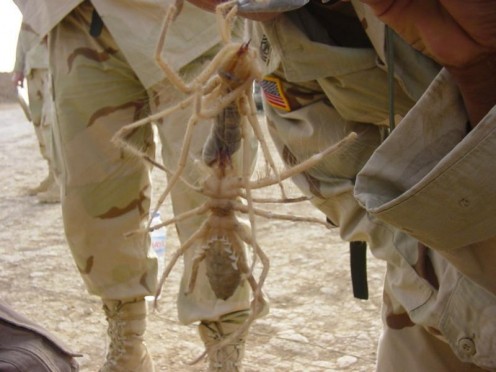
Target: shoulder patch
274	94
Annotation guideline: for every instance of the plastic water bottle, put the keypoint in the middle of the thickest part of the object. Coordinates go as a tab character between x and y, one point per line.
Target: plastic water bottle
158	242
158	239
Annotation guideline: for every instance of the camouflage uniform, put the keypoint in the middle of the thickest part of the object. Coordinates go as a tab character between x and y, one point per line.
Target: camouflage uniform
323	82
105	77
32	63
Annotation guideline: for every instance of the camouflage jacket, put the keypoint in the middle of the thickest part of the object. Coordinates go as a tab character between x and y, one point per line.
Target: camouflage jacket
136	25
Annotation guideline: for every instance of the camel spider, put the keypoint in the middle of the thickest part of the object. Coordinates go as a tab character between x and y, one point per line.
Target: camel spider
221	236
222	91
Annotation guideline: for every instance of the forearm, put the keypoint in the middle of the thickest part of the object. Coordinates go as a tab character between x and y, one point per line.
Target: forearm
19	66
209	6
20	60
477	84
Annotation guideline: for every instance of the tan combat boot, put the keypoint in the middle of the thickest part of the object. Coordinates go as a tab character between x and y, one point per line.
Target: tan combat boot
229	358
51	195
126	327
43	186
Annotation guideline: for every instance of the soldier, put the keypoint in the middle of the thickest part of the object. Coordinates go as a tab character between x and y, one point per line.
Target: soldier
104	77
32	64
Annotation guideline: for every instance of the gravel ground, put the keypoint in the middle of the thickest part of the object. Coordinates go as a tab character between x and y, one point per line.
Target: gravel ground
314	323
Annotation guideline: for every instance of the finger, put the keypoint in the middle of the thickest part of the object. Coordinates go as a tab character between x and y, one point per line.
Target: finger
380	7
269	6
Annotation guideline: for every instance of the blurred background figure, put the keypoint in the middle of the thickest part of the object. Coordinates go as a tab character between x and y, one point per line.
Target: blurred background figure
32	65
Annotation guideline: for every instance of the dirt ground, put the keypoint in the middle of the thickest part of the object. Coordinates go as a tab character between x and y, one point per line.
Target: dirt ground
314	324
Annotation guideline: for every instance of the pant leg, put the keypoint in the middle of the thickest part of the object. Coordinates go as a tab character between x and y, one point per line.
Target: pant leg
43	122
310	126
37	81
106	192
47	119
202	304
50	132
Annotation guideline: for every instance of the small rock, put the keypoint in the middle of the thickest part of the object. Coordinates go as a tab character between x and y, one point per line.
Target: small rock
293	336
346	361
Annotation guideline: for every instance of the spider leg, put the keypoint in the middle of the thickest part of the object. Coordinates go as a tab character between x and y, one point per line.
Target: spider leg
246	182
226	12
119	137
258	301
252	118
304	165
199	210
194	270
270	215
183	216
258	252
222	101
199	234
179	6
271	200
245	269
170	73
183	156
173	77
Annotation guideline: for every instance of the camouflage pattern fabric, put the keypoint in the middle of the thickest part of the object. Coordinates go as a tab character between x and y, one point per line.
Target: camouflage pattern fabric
32	61
315	93
106	192
31	50
41	109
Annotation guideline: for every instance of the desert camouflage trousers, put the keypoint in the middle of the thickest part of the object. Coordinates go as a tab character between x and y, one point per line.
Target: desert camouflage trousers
41	110
107	192
434	317
313	123
310	122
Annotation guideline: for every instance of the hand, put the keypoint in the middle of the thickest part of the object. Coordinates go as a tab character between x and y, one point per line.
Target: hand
210	5
17	79
459	34
456	33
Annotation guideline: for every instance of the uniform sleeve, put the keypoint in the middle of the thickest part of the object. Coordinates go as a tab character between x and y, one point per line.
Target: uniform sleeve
430	169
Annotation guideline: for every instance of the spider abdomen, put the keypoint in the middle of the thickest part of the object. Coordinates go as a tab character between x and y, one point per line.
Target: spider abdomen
222	265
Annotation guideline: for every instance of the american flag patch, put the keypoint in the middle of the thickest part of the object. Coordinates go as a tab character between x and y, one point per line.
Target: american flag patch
274	94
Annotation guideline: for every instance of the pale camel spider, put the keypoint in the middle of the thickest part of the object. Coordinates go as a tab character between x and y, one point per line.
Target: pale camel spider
225	84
